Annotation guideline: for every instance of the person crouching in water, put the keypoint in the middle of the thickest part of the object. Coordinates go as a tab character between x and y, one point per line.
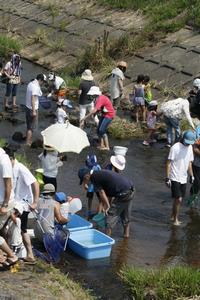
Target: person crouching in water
179	164
151	122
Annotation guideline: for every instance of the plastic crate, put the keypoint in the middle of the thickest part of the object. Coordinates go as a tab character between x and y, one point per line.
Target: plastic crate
77	223
90	244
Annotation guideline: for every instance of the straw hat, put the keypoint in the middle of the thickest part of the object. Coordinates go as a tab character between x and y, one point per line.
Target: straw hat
87	75
118	161
94	90
48	148
122	64
48	188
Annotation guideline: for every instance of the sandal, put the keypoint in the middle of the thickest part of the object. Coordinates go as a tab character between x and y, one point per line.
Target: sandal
10	262
29	261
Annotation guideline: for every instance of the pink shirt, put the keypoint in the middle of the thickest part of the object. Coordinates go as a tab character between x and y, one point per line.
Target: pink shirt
104	105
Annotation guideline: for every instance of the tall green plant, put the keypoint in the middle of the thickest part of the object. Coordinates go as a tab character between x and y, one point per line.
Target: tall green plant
8	46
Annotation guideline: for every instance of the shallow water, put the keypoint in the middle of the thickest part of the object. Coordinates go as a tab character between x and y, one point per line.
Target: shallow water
153	241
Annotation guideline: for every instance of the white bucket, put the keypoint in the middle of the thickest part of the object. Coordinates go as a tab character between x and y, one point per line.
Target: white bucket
74	205
119	150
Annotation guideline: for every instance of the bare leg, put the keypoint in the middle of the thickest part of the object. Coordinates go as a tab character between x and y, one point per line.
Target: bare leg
28	246
14	100
29	137
5	248
106	142
143	113
108	231
5	103
126	230
137	114
176	210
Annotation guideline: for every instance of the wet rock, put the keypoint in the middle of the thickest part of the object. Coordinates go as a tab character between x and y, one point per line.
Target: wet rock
18	137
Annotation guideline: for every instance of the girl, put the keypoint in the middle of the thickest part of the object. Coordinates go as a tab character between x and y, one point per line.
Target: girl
151	122
138	97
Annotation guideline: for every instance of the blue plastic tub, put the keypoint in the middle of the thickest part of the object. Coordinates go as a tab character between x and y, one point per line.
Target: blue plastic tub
77	223
90	243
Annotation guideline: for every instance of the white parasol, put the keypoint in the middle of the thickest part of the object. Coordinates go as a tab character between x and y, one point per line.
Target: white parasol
65	138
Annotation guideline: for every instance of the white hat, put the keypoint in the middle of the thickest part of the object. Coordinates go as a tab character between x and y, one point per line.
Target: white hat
87	75
19	207
196	83
94	90
153	103
49	148
118	161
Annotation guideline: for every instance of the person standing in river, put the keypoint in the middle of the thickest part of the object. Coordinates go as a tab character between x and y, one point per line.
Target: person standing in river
32	105
179	164
104	106
116	83
12	71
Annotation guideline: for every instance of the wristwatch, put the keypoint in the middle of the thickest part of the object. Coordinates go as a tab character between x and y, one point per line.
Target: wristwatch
4	205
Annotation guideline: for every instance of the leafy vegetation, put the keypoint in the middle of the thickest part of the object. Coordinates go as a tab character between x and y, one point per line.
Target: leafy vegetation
8	45
164	284
124	129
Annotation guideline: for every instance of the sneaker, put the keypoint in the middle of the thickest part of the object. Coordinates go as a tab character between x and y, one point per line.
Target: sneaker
145	143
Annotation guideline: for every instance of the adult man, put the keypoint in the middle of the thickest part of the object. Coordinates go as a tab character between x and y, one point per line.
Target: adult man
116	194
173	112
6	191
26	187
49	211
178	164
32	105
59	86
116	83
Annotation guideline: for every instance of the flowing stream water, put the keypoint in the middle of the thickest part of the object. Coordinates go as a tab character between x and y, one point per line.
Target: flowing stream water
153	240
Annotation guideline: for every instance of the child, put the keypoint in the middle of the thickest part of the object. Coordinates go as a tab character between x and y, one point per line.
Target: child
138	97
66	204
151	122
13	232
92	164
147	89
61	112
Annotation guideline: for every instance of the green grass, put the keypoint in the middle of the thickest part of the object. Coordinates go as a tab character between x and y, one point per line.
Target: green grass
165	284
8	46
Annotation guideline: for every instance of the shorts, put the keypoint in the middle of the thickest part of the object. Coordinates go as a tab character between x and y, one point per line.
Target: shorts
119	210
11	89
24	221
31	122
178	189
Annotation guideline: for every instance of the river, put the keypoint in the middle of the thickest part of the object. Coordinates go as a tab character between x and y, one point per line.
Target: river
153	240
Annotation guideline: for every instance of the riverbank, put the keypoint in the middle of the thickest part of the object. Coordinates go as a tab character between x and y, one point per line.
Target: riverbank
39	282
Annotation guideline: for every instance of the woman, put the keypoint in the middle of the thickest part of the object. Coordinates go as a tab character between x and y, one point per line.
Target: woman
12	70
105	107
50	164
85	101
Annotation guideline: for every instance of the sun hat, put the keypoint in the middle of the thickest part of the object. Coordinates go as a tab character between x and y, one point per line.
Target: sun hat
81	174
91	160
196	83
122	64
60	197
19	208
189	137
67	103
153	103
118	161
48	148
94	90
48	188
87	75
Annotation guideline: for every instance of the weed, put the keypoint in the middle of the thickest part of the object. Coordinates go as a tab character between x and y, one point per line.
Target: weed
8	46
167	284
3	142
57	45
23	159
53	12
40	36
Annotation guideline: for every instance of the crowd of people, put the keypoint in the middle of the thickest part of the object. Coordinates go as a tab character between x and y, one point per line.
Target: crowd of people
20	192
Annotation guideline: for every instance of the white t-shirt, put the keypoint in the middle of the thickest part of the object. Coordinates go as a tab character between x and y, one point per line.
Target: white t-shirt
180	157
59	82
8	68
61	115
50	163
22	181
14	233
5	172
114	83
33	89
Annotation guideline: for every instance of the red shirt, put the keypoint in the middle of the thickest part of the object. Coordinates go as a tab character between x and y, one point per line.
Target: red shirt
104	105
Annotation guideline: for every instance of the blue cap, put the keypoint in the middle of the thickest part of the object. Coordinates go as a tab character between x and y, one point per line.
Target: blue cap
81	173
60	197
91	161
189	137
